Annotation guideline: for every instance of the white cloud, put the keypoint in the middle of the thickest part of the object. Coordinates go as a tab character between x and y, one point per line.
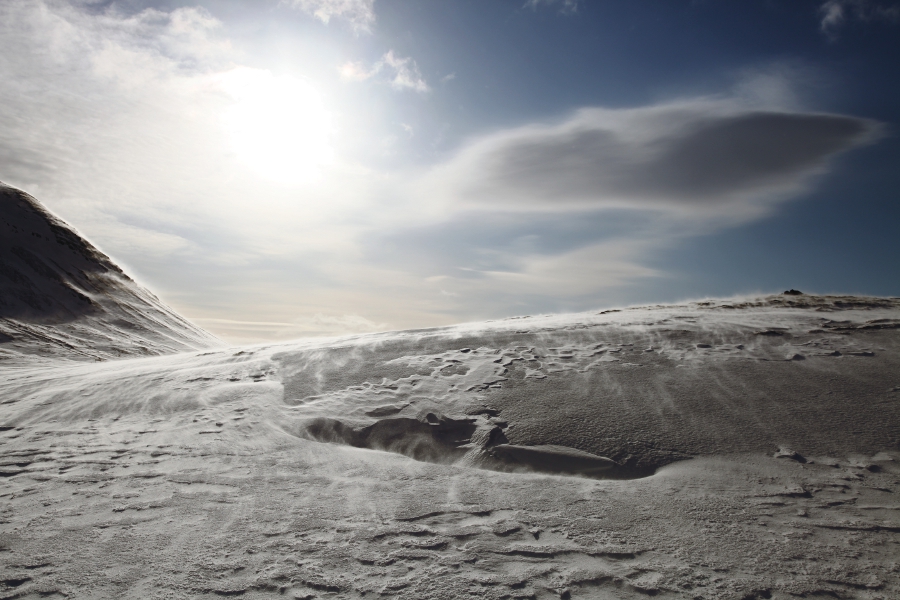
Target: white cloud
406	74
360	14
566	7
835	13
401	73
832	16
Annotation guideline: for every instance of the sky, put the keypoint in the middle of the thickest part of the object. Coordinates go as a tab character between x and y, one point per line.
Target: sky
276	169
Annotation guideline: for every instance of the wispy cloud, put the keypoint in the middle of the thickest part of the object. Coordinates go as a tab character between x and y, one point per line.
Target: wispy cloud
405	73
835	13
401	73
359	14
486	264
783	85
580	272
566	7
94	70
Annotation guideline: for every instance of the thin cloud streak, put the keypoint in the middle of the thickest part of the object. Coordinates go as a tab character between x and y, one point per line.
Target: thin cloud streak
313	326
835	13
566	7
832	16
401	73
359	14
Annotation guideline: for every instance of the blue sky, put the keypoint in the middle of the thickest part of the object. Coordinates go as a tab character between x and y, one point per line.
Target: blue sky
276	169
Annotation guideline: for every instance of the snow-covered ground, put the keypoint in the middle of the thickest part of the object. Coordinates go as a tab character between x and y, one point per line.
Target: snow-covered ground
594	455
743	448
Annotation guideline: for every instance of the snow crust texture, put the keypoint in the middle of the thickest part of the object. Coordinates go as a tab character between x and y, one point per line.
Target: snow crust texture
738	449
707	450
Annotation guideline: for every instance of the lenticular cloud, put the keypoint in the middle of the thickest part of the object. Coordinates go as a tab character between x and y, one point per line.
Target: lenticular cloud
700	155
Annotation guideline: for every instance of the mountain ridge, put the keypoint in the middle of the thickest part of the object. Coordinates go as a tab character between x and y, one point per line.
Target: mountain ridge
61	297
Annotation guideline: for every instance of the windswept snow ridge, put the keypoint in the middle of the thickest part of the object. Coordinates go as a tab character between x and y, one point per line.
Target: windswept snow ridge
60	297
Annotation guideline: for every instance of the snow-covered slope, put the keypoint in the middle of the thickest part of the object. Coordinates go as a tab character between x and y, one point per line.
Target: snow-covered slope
740	449
743	448
61	297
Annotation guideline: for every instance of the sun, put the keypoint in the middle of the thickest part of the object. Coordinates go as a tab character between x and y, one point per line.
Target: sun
278	125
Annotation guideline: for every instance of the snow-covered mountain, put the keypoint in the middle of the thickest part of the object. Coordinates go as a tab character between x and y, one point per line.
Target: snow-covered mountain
61	297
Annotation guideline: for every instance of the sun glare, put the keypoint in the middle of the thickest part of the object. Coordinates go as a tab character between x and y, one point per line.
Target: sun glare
278	125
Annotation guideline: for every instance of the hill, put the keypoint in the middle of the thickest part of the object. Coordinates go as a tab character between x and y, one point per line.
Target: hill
60	297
